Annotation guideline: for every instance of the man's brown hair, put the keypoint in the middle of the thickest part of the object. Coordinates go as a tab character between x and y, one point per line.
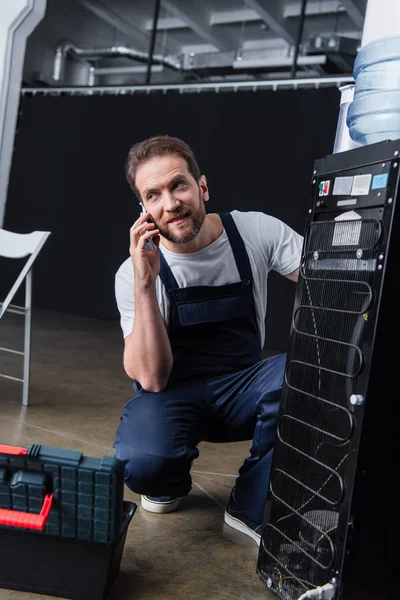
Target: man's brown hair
161	145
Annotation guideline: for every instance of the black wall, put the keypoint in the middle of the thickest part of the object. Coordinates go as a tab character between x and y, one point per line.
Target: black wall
257	150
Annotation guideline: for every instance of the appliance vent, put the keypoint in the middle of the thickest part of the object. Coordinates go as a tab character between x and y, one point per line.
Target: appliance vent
316	424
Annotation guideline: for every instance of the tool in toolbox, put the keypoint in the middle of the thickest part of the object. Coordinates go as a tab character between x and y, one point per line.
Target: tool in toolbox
63	521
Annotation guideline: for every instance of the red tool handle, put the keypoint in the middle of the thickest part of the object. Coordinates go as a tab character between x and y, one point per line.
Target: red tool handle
15	518
14	450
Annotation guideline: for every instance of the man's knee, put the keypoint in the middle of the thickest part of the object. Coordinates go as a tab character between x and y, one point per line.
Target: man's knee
147	473
269	401
276	369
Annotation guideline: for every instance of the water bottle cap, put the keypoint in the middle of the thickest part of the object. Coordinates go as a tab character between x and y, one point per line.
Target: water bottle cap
347	93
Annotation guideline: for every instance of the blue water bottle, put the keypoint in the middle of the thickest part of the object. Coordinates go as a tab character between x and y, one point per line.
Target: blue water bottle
374	114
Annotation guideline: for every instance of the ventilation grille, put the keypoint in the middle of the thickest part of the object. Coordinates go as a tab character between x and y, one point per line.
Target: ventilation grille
316	425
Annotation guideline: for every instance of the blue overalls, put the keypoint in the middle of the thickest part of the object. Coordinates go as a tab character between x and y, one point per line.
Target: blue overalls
219	391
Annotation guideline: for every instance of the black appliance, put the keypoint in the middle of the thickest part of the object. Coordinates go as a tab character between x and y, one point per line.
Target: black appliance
332	515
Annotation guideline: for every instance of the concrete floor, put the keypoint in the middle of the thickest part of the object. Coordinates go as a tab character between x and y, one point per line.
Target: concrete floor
78	388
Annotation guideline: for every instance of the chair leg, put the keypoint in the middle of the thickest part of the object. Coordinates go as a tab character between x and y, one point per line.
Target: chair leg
27	339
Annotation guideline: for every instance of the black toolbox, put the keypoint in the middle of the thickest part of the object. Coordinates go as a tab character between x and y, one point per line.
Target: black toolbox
63	521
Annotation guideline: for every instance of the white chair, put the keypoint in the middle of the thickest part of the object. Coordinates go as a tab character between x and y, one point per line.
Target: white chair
20	245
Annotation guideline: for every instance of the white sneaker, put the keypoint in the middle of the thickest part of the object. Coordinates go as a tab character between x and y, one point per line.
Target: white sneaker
164	504
242	527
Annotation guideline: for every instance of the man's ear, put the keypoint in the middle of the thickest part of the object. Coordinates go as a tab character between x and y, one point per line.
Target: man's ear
204	188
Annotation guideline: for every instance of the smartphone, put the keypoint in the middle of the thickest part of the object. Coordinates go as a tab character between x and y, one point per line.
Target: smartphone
150	243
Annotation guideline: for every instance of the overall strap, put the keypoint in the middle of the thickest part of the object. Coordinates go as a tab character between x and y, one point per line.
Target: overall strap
166	275
238	247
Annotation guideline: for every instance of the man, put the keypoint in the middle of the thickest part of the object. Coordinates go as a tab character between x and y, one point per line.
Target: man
192	311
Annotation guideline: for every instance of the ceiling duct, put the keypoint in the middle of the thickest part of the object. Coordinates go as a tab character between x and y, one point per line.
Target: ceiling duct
321	54
326	53
66	48
259	60
340	50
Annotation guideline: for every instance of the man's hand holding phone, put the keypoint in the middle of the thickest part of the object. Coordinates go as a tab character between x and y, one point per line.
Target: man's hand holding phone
144	243
151	243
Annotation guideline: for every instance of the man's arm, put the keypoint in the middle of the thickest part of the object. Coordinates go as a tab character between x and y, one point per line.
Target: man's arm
294	275
147	354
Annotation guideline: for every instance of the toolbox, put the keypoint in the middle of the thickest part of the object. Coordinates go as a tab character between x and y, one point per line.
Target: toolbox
63	521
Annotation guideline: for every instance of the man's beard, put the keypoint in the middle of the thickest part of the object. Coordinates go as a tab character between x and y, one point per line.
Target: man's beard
196	215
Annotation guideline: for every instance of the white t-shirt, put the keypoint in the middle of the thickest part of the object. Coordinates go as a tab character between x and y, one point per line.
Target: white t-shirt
270	244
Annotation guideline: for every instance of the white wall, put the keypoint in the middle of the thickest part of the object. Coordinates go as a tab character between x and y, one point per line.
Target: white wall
382	18
18	18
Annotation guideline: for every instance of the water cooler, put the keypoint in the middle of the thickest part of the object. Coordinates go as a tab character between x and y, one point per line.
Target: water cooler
331	523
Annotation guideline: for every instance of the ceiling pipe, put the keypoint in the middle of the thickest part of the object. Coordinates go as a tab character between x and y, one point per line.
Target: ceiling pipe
126	70
299	38
96	72
65	47
153	40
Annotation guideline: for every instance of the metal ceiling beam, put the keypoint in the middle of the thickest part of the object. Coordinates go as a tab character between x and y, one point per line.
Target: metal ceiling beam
110	17
223	17
137	34
314	8
356	10
234	86
227	17
167	23
199	21
271	12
